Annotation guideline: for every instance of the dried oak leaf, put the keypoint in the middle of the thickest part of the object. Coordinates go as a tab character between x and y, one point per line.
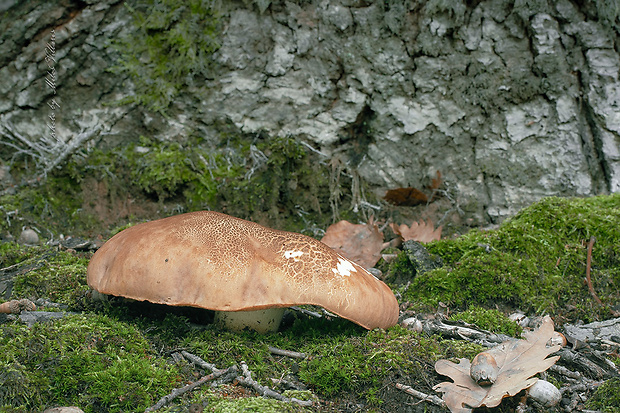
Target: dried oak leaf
418	231
517	361
412	196
361	243
405	197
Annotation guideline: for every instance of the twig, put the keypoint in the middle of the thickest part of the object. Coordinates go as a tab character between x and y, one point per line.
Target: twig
575	375
581	387
67	150
422	396
178	392
585	363
248	381
199	362
588	264
245	380
464	333
287	353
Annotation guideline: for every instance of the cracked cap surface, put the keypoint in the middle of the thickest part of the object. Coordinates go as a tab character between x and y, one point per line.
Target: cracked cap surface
211	260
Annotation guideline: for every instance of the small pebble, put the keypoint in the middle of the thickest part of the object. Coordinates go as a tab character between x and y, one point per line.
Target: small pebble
412	324
28	237
545	393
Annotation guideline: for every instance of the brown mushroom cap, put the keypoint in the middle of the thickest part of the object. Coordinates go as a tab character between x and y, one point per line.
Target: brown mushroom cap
215	261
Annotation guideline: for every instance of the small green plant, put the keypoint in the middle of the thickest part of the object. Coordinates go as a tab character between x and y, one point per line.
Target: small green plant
172	44
489	319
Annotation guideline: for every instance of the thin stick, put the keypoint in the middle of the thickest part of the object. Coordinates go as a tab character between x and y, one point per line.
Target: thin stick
248	381
287	353
588	264
422	396
199	362
180	391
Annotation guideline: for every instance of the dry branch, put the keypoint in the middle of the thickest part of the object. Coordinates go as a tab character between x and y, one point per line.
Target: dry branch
48	153
286	353
248	381
226	377
306	312
465	333
591	368
180	391
422	396
199	362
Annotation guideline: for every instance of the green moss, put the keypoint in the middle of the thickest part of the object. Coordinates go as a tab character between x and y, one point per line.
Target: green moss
12	253
56	275
535	261
91	361
253	404
219	401
252	178
489	319
275	181
56	204
606	398
399	270
362	365
171	45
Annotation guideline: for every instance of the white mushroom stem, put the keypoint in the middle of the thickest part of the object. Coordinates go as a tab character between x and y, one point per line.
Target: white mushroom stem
264	321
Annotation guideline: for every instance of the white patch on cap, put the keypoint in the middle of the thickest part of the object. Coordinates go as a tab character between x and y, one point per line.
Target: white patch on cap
344	268
293	254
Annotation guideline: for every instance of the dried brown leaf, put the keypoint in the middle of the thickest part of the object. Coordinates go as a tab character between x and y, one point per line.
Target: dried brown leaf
422	231
405	197
517	361
361	243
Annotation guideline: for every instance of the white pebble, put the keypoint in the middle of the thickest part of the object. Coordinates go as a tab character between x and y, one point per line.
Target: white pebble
28	237
412	323
545	393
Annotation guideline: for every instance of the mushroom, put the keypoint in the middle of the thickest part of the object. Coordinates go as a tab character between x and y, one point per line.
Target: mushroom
211	260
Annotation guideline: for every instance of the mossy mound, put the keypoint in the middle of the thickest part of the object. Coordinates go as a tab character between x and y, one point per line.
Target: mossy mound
535	261
606	398
86	360
276	181
116	356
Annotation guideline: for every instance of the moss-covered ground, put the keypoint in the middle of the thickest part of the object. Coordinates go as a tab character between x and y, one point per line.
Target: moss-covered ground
535	262
117	356
276	181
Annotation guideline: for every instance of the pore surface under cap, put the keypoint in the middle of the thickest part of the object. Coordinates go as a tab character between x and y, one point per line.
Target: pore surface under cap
215	261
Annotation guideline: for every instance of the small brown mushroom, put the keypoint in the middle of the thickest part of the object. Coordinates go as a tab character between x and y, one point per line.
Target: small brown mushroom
218	262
